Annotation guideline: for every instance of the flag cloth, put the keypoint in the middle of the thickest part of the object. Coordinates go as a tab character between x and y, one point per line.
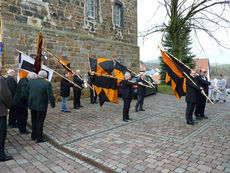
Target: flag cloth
119	71
101	65
106	89
174	76
65	65
38	60
25	65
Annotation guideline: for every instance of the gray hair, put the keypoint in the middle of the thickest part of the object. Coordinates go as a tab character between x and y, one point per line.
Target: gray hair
10	71
32	75
126	74
42	74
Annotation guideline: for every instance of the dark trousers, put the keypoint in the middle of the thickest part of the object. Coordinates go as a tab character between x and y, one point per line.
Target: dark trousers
126	107
200	107
21	116
189	111
77	97
93	96
12	116
140	102
37	121
3	130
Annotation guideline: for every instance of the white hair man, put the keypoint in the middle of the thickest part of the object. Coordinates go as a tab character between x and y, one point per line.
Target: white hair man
5	103
40	93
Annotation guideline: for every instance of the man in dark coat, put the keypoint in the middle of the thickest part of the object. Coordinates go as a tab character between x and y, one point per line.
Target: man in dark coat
77	91
93	94
12	85
127	95
39	94
20	103
5	103
192	96
204	83
65	90
141	91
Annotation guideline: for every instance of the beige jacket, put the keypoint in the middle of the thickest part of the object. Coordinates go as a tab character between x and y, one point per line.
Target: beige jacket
5	97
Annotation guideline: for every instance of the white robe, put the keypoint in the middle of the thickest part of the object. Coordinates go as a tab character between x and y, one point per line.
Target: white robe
221	85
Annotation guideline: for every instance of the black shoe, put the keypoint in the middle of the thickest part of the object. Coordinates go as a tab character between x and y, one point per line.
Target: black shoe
92	102
204	117
198	118
41	141
6	158
130	119
95	102
190	122
25	133
81	106
125	120
142	110
67	111
76	107
224	101
33	139
136	109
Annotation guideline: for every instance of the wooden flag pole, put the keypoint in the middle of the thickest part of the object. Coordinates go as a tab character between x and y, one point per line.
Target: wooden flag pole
196	85
67	79
190	69
66	66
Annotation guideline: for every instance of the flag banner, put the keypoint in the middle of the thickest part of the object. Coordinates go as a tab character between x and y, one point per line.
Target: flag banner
106	89
102	65
174	75
26	64
38	60
119	71
66	66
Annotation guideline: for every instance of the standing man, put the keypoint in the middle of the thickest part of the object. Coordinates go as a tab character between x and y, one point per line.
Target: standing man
77	79
127	95
39	94
221	85
65	90
12	85
5	103
141	91
191	97
93	94
204	83
20	103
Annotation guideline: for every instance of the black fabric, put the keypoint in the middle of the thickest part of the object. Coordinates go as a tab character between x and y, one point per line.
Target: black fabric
93	94
203	83
193	91
12	116
20	97
141	90
65	88
140	102
21	116
107	65
3	131
77	98
127	102
189	111
37	121
104	82
127	89
78	81
93	64
12	85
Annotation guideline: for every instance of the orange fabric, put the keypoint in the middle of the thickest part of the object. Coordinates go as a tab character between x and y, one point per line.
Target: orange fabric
118	74
184	86
167	78
64	63
112	95
22	73
173	84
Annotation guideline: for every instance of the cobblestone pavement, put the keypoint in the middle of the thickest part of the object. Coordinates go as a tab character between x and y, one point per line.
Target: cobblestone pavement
156	140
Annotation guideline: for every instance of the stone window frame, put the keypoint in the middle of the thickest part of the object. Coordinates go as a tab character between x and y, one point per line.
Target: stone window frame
118	3
96	8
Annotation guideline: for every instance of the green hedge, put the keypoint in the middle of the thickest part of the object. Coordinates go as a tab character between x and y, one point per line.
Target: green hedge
166	89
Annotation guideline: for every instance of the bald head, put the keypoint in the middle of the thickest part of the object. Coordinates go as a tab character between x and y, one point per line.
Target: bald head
11	73
78	72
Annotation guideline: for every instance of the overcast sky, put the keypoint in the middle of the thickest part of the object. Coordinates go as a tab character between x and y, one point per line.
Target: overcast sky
147	17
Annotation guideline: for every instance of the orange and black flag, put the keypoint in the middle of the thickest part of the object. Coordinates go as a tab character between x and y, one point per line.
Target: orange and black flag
119	71
38	60
174	76
106	88
102	65
66	66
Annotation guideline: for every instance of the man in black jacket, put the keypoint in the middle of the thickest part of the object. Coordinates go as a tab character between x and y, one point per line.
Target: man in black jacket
192	96
141	91
77	91
12	85
204	83
65	90
127	95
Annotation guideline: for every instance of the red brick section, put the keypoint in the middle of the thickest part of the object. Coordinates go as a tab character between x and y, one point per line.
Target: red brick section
202	63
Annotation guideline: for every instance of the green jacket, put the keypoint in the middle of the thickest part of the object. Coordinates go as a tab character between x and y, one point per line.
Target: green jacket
39	94
20	96
12	85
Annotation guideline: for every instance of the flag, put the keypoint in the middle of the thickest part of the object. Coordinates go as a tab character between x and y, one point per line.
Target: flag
106	89
25	66
66	66
38	60
174	75
119	71
101	65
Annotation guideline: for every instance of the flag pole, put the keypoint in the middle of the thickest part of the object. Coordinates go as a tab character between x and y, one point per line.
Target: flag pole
65	66
190	69
67	79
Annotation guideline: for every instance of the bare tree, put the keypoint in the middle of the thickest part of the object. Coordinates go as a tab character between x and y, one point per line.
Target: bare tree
193	15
